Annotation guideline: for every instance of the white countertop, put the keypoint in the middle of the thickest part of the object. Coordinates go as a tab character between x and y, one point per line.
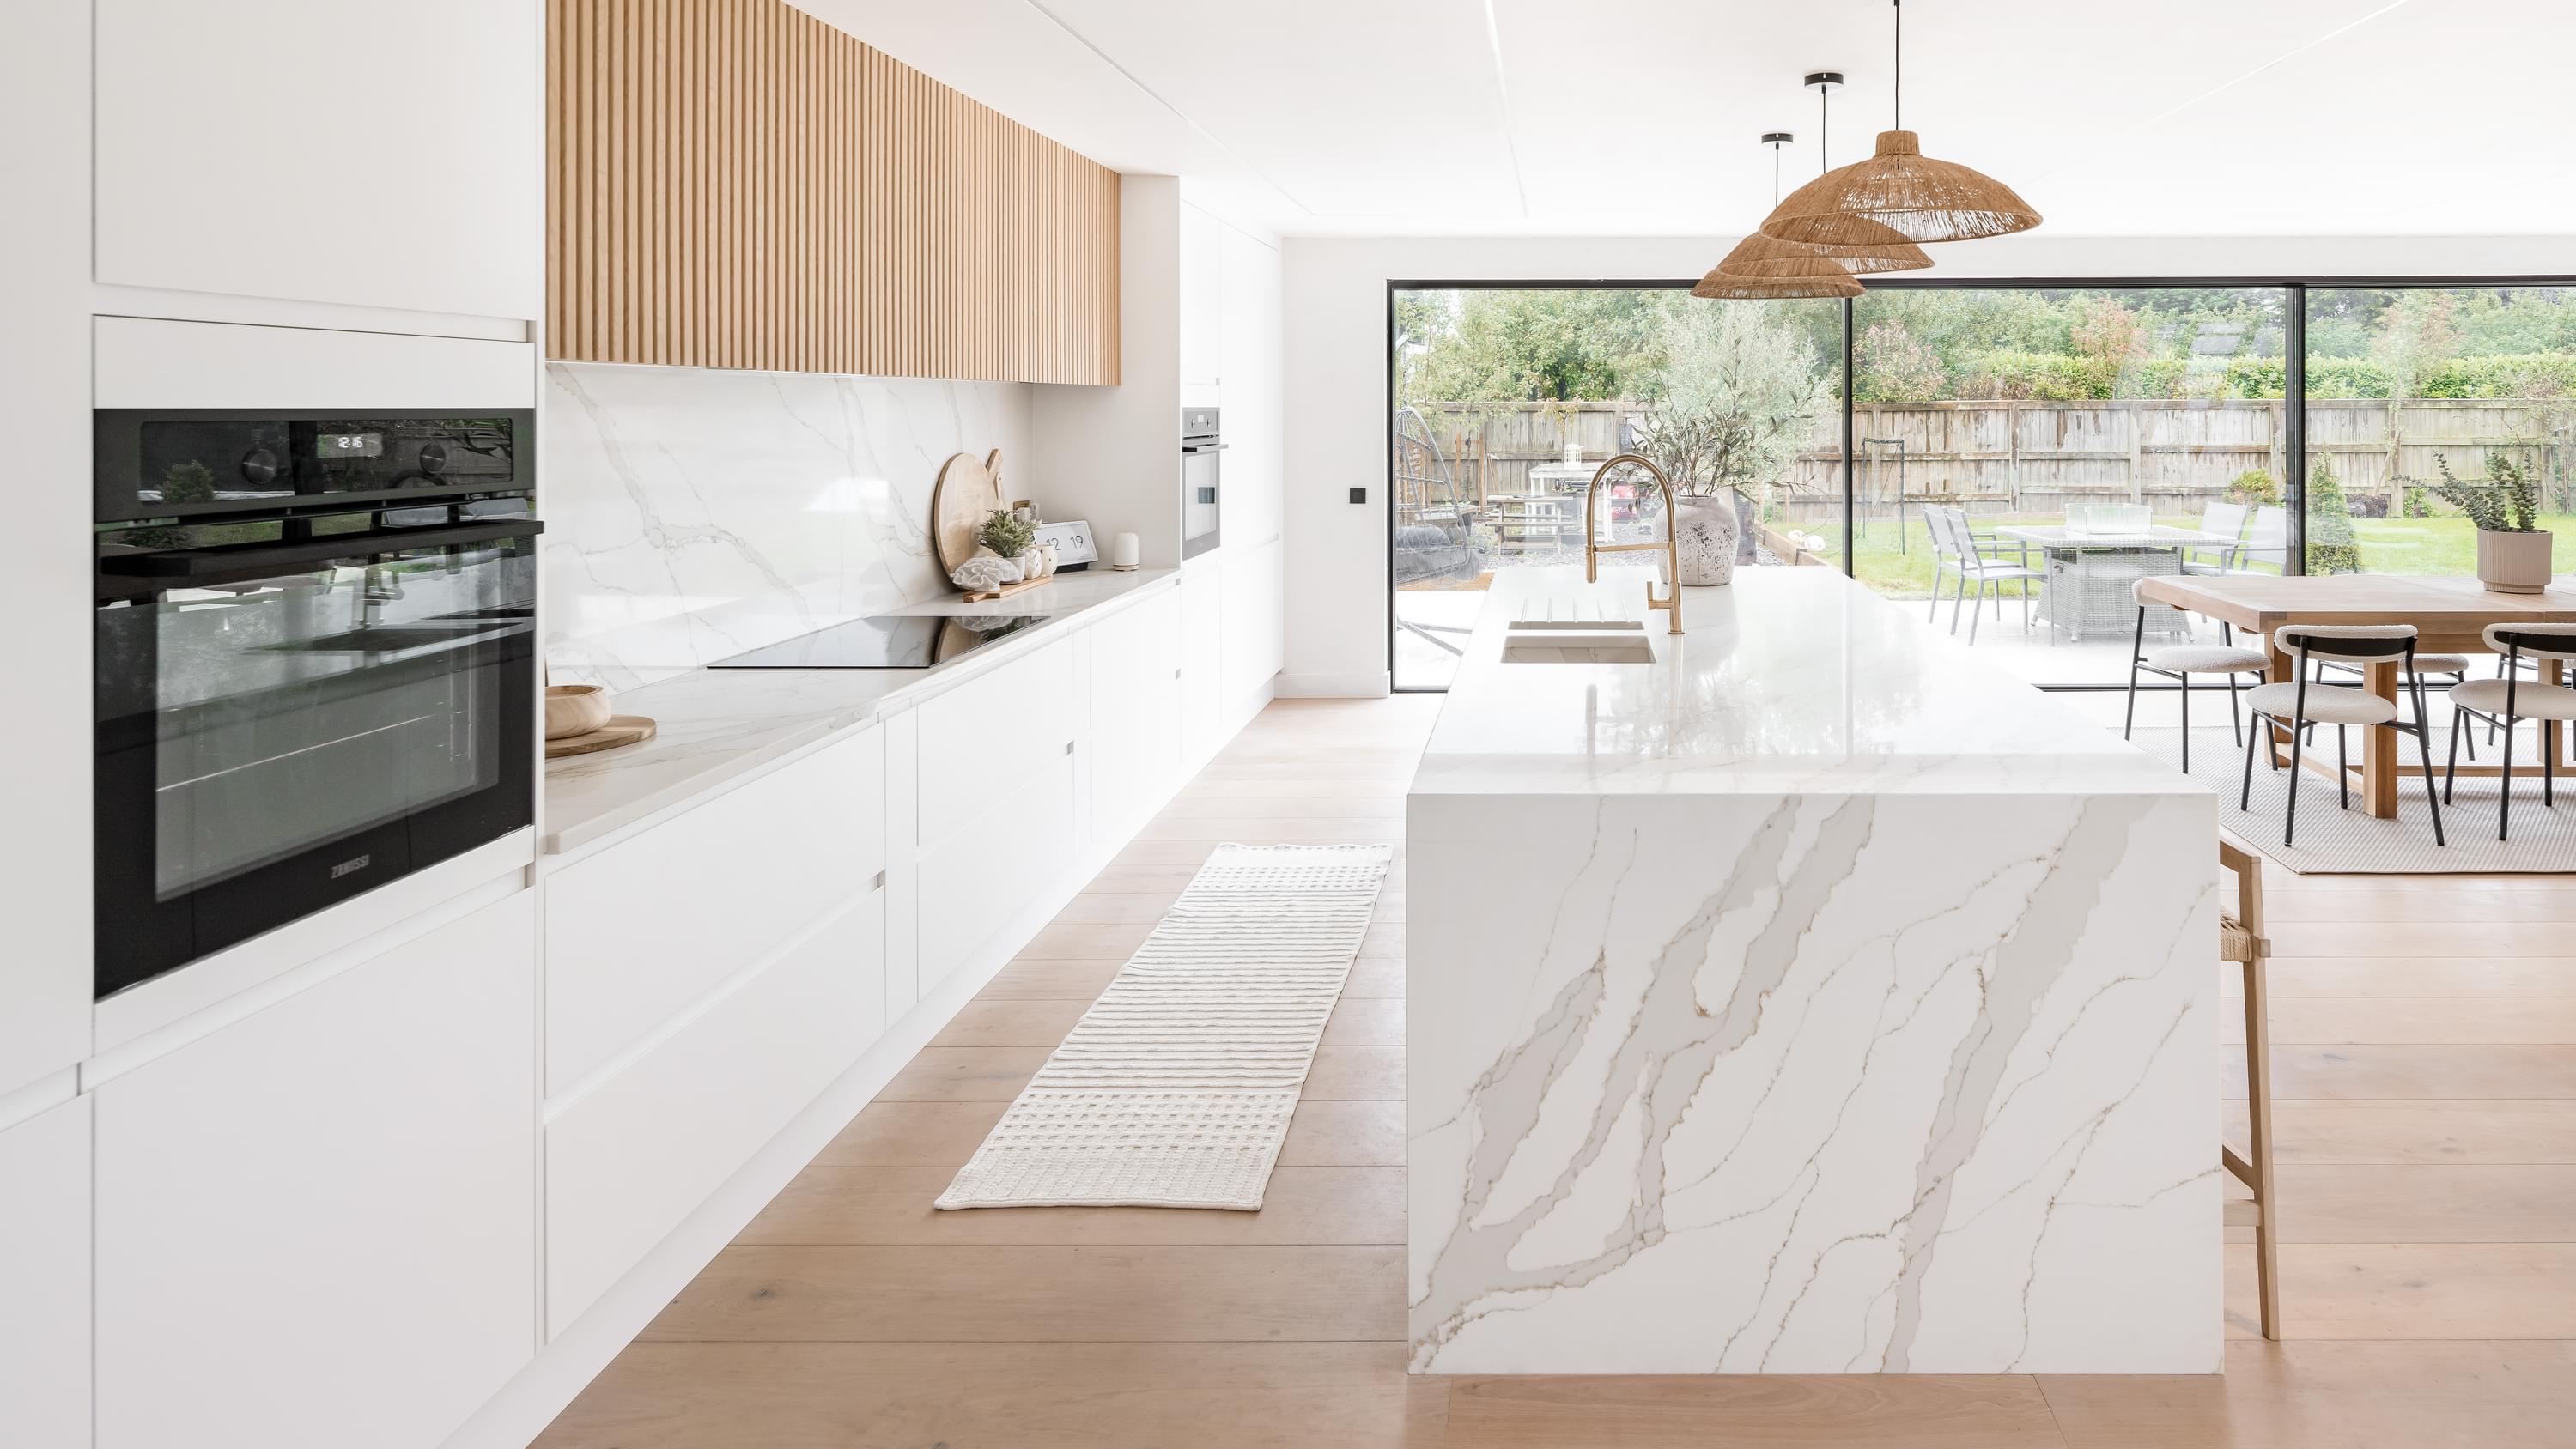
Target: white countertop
1788	680
716	725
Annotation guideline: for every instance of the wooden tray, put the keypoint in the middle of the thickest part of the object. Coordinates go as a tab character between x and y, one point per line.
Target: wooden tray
624	729
977	596
966	495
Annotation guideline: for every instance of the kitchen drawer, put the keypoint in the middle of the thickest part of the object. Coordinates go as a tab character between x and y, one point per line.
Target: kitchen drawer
988	874
641	929
983	739
635	1156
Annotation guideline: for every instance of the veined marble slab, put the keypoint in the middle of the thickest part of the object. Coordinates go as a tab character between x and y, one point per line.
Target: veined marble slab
1816	999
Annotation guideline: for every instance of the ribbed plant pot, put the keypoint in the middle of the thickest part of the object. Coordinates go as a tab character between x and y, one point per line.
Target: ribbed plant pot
1705	532
2508	563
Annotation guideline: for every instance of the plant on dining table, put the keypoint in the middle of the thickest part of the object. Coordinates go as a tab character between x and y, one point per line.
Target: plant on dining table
2508	503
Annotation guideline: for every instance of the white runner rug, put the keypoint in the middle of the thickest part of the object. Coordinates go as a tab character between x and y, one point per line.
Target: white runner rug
1175	1088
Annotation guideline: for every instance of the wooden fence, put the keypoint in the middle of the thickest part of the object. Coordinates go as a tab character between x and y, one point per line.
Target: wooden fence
2043	457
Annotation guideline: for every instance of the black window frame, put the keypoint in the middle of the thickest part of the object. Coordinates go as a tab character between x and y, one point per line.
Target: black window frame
2294	384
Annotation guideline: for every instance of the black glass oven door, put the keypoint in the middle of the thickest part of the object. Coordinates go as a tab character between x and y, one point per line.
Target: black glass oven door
269	745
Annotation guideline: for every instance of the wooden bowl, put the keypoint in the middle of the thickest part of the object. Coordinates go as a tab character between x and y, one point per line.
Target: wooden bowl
574	709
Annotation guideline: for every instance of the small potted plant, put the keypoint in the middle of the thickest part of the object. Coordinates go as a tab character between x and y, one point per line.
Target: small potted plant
2513	549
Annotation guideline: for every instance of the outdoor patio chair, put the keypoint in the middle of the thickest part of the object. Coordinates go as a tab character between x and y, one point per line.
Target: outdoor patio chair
1956	548
2267	543
2227	519
2511	699
2179	662
2302	701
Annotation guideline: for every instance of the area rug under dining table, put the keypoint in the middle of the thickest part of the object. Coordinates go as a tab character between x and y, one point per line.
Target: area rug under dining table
1175	1088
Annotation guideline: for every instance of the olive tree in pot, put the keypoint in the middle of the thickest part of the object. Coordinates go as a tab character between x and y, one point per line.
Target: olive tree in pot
2513	550
1740	392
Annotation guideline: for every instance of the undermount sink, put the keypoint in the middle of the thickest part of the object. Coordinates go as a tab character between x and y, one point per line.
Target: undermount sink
1577	641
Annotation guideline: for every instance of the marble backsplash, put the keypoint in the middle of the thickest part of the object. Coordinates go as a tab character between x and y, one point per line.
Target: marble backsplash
695	513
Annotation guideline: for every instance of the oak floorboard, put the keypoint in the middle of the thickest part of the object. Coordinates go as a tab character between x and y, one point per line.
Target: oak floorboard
1035	1021
1322	830
1373	976
965	1074
2411	1290
1006	1396
1356	1074
2409	976
1366	1021
912	1134
1117	907
2441	1203
1086	940
2371	903
1381	807
1345	1134
2430	939
1042	1294
2293	1395
886	1206
2420	1020
2414	1133
1081	980
1167	881
2003	1411
2382	1071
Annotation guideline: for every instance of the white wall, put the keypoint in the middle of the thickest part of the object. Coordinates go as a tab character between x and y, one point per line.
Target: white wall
696	513
1337	386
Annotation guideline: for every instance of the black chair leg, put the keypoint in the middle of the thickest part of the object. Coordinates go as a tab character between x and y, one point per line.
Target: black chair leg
2235	718
2451	769
2424	758
2137	654
2549	764
2245	796
2343	771
2290	818
2504	782
2186	724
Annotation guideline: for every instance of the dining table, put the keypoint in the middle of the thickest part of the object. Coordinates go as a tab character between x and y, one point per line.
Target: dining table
2450	616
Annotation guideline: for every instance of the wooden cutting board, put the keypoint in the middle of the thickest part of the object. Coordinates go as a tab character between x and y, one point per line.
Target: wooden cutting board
625	729
966	495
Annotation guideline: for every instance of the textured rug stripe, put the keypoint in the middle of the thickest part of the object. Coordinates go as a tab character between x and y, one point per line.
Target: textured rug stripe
1175	1088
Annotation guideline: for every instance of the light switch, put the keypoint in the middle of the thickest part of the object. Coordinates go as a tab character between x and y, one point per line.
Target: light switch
1359	495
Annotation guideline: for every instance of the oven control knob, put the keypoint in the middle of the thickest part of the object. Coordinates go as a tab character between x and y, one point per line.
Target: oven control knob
433	458
259	465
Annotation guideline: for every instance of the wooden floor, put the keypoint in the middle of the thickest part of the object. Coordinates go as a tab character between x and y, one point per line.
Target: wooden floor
2425	1040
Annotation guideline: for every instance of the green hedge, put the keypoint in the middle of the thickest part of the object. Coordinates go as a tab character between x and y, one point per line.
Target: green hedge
2052	377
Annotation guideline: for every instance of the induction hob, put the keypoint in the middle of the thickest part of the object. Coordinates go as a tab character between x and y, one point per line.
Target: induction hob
890	641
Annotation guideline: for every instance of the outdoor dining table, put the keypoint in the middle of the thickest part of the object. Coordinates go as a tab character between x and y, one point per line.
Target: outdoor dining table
2449	616
2086	591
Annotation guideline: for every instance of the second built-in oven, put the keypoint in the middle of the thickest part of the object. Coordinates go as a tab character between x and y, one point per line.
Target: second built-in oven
315	666
1201	466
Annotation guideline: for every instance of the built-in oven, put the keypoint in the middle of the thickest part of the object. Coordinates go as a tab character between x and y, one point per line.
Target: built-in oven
1200	447
315	665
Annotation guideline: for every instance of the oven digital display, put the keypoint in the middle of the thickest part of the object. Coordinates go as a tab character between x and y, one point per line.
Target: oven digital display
349	445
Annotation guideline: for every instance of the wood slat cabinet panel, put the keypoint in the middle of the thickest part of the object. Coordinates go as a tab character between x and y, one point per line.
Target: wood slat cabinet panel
734	183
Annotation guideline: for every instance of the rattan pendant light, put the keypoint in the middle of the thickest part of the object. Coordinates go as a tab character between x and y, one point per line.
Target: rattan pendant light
1818	277
1899	188
1761	256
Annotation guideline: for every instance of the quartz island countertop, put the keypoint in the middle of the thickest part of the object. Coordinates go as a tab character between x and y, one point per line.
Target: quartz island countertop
1815	999
713	726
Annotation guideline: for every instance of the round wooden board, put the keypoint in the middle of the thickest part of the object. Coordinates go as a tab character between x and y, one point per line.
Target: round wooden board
624	729
966	495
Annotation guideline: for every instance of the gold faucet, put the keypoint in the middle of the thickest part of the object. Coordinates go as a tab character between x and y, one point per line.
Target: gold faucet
1671	602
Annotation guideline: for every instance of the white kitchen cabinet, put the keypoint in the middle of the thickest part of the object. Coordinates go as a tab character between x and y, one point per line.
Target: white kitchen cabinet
634	1157
44	1265
1135	714
370	152
1202	298
981	740
1202	596
317	1228
639	930
985	874
1255	618
1254	396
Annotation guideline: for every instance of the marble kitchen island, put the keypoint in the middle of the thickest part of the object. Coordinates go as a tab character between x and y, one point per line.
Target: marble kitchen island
1813	999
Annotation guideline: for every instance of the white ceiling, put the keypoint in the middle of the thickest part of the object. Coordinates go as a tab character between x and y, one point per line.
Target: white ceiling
1640	117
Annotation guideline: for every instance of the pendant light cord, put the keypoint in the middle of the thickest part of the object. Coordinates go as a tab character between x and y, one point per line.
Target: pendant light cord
1900	66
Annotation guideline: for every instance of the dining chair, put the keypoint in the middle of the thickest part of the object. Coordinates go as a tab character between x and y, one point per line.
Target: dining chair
2511	699
2179	662
2241	940
2268	541
2302	700
1957	549
2226	519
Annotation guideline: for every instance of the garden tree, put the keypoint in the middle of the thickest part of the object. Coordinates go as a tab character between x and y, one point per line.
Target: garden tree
1754	387
1574	345
1892	365
2415	332
2105	328
2331	549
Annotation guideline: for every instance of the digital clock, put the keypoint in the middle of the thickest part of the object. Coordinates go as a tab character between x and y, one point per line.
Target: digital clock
349	445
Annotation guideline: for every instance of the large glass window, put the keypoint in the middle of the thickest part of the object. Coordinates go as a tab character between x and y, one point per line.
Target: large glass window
2408	385
2061	444
1508	400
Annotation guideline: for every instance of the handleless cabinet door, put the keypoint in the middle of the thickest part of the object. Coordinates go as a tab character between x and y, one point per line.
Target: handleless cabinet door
378	153
1202	660
44	1278
317	1227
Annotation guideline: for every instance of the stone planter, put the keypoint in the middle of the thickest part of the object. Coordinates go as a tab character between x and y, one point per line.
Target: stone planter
2508	563
1705	532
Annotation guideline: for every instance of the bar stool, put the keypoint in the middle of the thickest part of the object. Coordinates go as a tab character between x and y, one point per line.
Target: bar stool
2241	940
2178	662
2299	702
2509	699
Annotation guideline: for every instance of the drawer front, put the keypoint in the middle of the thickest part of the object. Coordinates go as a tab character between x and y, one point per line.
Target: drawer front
632	1159
986	877
982	740
638	931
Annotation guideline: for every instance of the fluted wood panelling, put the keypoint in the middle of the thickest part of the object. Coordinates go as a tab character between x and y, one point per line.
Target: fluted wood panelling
734	183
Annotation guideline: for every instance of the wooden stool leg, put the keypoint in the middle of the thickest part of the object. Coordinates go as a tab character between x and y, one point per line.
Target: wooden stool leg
2258	1115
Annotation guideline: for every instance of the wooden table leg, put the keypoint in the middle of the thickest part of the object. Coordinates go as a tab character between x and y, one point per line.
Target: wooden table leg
2379	747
